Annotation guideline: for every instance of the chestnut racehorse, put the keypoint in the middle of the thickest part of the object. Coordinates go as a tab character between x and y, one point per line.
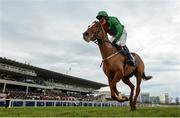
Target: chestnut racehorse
115	66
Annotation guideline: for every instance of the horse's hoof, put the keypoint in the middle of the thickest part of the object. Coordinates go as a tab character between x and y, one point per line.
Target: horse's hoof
126	98
123	99
114	98
133	108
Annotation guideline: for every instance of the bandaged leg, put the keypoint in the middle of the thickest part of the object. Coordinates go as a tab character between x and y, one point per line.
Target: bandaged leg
121	98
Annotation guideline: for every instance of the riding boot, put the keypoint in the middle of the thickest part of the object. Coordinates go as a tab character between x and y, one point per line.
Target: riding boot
130	60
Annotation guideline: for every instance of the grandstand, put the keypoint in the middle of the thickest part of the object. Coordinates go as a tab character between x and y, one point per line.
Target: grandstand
24	81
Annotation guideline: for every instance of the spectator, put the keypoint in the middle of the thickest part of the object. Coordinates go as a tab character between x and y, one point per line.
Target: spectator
7	99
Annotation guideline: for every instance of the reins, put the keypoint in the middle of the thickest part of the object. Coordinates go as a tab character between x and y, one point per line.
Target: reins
108	58
96	42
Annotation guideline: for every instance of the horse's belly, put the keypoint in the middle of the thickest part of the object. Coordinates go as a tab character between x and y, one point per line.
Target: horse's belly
128	69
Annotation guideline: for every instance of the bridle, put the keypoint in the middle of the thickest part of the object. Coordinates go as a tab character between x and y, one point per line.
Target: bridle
95	35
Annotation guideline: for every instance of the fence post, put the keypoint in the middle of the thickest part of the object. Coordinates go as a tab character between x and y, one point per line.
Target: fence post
10	103
35	104
44	103
24	103
54	104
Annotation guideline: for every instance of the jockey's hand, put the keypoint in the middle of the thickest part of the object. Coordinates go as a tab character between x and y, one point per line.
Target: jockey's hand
114	43
102	21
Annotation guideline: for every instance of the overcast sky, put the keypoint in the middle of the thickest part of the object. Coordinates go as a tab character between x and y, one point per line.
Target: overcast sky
48	34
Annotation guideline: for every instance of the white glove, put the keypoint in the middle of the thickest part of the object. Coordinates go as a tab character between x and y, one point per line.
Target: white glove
112	39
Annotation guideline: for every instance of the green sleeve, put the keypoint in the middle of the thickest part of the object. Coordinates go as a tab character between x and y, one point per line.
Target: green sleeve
119	29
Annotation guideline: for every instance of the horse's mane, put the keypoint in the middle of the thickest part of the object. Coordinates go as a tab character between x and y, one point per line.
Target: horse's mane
105	35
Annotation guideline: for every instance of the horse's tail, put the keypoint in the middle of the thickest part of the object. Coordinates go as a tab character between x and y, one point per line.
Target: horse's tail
146	77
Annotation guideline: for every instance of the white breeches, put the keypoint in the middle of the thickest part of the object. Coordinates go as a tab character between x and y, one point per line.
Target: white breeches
122	40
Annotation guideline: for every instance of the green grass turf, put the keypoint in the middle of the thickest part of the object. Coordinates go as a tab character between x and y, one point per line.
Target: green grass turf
90	112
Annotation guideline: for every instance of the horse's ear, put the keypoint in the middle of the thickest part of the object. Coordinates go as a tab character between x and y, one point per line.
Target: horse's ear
96	21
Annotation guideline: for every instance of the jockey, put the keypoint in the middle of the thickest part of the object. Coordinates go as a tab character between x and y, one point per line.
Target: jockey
114	28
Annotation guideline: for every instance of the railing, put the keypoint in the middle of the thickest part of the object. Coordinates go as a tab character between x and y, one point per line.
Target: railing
17	69
55	103
24	84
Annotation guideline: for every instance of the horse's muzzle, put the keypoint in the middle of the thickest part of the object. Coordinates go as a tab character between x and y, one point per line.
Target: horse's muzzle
86	36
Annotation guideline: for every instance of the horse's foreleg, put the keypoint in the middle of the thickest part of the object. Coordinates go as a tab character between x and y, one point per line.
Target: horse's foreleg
128	82
138	82
111	85
119	97
114	91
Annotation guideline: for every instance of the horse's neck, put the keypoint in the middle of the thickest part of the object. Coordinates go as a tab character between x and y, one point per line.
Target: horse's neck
106	49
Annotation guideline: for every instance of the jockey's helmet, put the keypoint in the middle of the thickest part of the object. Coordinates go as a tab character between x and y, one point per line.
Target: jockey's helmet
102	14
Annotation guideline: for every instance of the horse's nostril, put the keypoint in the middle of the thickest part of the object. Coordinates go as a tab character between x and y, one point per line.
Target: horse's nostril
86	33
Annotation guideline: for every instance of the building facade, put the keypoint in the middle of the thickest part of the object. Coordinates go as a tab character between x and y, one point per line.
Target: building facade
164	98
144	98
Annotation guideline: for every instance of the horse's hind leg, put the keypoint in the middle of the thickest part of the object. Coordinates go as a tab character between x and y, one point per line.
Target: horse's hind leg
131	85
138	83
